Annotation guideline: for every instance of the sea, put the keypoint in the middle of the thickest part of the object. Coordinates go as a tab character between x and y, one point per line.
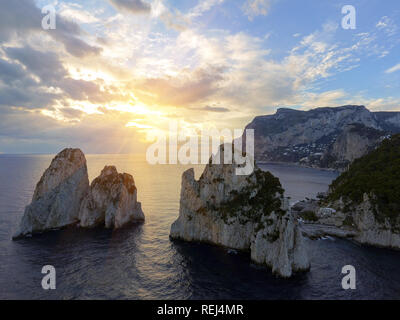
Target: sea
141	262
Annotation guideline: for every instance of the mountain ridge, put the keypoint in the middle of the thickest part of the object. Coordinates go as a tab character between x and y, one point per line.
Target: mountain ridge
306	137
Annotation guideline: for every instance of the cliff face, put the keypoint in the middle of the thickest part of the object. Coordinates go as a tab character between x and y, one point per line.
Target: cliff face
388	121
58	195
63	197
241	212
111	201
371	229
366	198
305	136
361	221
353	142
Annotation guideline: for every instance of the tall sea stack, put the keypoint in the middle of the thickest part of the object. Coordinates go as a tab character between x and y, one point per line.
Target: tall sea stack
241	212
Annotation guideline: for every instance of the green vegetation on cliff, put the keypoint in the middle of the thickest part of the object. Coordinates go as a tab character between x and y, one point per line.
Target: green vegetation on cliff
376	174
255	201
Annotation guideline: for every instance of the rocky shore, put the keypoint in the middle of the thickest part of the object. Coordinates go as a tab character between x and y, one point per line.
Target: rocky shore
63	197
357	222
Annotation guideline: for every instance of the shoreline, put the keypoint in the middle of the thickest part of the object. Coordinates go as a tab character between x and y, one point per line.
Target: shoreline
296	164
317	230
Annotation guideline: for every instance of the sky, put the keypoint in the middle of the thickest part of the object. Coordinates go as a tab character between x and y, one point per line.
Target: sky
113	74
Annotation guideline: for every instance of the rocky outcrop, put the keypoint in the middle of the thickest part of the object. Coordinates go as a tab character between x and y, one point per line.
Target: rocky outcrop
358	222
388	120
305	137
364	200
63	197
111	201
353	142
316	231
243	213
384	233
58	195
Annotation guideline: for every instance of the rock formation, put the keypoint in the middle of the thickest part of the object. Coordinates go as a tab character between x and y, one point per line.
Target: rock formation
372	229
243	213
304	137
353	142
63	197
111	201
58	195
362	222
365	200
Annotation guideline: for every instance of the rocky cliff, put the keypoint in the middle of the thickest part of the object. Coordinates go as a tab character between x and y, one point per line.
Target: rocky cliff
111	201
365	200
241	212
307	136
58	195
353	142
63	197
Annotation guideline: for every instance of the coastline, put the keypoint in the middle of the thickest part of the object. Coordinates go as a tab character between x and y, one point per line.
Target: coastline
296	164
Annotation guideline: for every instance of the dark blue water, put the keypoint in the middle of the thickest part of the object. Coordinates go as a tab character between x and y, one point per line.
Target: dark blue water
140	262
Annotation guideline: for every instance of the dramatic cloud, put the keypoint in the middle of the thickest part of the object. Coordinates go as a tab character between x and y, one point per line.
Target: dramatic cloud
45	65
103	80
19	18
43	81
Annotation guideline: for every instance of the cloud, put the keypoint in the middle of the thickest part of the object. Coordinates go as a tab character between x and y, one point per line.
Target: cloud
76	46
215	109
45	65
325	99
203	6
236	70
176	20
186	88
393	69
212	109
33	132
19	18
35	79
254	8
132	6
382	104
28	98
75	12
58	88
10	72
387	25
21	86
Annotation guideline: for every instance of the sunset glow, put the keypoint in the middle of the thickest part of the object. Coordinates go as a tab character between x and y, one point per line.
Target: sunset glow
118	71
